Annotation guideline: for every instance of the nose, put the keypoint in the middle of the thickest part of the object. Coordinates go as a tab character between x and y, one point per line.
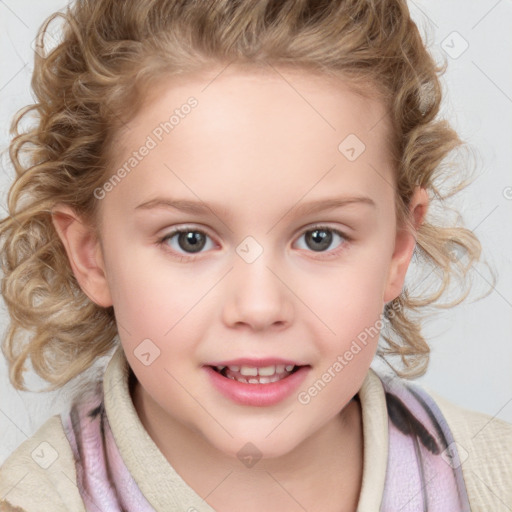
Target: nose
257	296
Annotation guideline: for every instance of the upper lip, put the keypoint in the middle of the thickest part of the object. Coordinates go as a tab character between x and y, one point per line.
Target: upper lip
258	363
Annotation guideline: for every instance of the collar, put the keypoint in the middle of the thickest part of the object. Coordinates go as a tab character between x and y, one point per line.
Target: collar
166	490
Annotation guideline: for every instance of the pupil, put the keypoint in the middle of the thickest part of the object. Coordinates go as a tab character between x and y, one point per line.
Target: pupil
191	241
321	237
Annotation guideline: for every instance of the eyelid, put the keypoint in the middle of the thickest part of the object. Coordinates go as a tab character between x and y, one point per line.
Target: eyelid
326	226
185	228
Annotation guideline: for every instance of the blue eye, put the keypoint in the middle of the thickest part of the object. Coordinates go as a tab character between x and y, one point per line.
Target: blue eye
187	240
320	238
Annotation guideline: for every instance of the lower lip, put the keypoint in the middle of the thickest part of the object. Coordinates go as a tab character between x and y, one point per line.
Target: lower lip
258	395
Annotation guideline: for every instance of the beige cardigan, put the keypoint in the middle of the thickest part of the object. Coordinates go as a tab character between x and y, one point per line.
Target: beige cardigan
28	484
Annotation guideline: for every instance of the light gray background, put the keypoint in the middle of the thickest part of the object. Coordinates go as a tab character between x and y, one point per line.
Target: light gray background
472	344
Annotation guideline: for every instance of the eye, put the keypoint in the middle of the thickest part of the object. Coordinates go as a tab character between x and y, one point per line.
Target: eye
321	238
186	240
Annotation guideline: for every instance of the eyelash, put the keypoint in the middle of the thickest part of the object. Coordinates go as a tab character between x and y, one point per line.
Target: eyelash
323	254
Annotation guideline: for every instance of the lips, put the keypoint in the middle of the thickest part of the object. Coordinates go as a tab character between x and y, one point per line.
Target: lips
257	382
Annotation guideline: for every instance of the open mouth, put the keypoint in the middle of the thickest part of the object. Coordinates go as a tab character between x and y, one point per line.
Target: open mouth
256	375
257	383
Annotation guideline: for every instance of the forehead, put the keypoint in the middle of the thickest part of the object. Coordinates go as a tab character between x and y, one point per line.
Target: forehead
256	98
254	131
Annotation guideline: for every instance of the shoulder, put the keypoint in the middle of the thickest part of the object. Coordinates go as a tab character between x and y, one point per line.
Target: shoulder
40	474
484	444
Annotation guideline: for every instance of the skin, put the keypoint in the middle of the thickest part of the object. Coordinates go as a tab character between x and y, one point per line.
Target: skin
254	151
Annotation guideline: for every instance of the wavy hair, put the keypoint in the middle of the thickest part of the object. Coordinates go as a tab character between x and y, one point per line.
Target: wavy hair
92	80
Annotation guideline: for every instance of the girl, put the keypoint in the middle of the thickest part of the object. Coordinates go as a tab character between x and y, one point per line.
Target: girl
224	198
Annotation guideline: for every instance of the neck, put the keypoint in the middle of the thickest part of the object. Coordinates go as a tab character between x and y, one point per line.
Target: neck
323	473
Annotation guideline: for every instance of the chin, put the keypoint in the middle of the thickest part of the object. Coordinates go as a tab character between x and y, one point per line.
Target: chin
251	447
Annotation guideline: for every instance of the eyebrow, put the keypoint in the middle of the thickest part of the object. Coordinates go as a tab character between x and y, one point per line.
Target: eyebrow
199	207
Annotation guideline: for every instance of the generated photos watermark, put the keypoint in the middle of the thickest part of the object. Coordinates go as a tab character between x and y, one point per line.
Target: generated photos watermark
343	360
156	136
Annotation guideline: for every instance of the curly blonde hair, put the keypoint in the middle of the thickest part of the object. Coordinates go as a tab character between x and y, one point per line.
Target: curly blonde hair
91	82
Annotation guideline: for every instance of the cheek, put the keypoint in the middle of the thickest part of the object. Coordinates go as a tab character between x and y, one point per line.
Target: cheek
150	293
351	306
350	294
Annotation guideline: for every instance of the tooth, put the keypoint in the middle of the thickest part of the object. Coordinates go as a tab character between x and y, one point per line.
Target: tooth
267	371
220	368
249	371
240	379
289	367
265	380
280	368
253	381
234	368
274	378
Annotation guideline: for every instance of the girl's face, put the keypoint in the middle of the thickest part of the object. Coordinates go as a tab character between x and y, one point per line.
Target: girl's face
281	185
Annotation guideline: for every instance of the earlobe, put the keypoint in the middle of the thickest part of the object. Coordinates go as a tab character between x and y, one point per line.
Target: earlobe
84	254
405	244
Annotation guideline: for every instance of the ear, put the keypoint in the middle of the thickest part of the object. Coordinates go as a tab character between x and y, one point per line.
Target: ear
84	253
405	243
